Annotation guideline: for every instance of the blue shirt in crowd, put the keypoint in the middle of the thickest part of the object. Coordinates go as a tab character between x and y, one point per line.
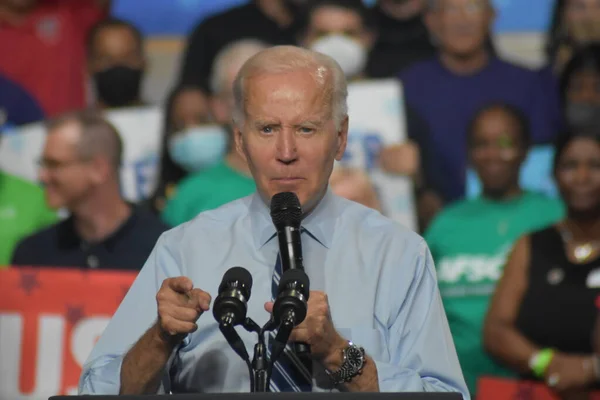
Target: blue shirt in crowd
379	278
17	106
448	103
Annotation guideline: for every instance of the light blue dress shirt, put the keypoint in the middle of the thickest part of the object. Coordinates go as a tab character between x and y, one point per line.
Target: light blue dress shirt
379	278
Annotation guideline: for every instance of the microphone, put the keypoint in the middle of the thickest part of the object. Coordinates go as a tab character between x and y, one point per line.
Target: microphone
231	305
290	306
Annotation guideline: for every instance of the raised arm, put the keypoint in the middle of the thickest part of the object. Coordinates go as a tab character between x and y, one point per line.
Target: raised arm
179	306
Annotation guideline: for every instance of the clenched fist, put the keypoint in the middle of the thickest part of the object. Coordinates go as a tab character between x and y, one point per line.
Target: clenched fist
317	329
179	307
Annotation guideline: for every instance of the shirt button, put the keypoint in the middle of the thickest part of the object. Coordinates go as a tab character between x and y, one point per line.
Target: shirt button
93	261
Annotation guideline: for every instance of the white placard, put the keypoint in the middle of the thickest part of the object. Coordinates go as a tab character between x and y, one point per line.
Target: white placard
376	111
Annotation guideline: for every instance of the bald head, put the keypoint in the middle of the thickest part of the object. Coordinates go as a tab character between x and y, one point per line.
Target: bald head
279	60
97	137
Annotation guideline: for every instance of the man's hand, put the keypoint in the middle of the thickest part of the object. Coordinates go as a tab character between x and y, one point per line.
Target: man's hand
179	307
317	329
400	159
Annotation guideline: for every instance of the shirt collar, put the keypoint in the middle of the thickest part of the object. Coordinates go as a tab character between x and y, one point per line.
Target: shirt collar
319	224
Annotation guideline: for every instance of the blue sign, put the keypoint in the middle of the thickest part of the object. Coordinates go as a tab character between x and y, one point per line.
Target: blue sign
536	173
178	17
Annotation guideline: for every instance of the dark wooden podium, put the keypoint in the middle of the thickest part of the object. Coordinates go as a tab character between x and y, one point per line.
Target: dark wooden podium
279	396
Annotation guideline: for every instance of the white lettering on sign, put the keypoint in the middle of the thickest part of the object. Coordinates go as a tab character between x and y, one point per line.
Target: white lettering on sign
49	356
474	268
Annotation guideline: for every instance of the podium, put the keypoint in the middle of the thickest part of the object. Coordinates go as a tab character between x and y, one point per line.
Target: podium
280	396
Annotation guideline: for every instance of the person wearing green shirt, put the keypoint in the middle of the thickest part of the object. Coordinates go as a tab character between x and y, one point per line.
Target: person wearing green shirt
229	179
23	211
470	239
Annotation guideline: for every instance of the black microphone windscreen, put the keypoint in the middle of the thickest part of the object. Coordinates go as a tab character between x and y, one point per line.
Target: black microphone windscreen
298	276
286	209
240	275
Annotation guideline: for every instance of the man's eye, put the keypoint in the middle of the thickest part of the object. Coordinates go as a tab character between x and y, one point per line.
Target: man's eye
267	129
306	130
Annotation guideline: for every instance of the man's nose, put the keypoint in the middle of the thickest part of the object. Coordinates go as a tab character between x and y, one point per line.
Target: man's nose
287	151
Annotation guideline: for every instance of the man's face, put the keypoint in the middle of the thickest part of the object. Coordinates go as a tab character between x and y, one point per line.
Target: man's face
66	176
328	20
289	137
461	26
222	103
115	46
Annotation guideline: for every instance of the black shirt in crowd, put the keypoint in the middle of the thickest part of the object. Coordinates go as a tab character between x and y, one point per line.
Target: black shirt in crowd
558	309
213	34
60	246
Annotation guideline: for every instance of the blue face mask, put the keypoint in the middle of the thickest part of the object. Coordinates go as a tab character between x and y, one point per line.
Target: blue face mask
199	147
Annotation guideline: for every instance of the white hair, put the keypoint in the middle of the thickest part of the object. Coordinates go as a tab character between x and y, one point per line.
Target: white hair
234	55
283	59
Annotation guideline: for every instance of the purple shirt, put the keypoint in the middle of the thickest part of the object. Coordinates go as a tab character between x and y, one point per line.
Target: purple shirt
448	102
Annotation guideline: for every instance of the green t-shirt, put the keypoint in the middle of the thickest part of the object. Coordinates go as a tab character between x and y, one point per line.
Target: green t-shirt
470	242
23	211
206	190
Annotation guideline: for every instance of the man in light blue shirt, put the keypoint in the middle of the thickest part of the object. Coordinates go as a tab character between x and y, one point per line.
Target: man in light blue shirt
373	281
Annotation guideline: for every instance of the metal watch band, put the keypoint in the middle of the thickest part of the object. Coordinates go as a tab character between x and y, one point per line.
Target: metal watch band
348	370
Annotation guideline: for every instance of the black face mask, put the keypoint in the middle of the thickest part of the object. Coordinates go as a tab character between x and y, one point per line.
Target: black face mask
118	86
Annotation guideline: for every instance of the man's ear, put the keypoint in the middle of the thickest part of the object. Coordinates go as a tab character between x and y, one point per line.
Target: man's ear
238	138
100	169
342	139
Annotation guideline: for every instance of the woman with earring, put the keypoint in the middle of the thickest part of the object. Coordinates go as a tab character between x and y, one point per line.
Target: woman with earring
542	315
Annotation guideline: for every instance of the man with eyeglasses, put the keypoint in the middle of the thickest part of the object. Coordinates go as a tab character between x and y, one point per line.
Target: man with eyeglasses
80	172
448	89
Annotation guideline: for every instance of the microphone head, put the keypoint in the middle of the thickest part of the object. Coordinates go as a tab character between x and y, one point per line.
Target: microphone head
296	277
286	209
239	278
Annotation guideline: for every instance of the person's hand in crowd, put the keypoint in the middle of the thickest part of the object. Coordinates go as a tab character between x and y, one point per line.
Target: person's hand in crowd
179	307
568	373
317	329
400	159
354	184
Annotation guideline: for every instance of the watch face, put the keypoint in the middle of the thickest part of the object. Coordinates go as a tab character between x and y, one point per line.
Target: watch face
354	356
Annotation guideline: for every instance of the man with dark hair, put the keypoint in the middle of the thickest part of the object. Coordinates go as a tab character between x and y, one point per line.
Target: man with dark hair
80	171
402	37
42	47
271	21
116	63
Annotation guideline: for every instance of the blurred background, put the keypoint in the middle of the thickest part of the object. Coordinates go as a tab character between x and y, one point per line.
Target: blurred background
475	123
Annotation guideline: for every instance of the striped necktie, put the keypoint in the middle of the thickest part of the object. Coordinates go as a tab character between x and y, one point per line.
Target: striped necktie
290	373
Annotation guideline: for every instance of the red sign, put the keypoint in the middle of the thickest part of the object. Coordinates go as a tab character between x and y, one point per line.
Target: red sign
490	388
50	320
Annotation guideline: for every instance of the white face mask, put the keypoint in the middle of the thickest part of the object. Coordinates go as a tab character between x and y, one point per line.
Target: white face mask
350	54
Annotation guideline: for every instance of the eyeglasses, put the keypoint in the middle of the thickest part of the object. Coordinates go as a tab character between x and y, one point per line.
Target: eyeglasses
57	164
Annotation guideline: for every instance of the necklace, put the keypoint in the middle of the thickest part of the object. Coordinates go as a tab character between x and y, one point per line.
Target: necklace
581	252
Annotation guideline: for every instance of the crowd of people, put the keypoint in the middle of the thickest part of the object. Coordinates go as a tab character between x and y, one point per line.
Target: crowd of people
518	271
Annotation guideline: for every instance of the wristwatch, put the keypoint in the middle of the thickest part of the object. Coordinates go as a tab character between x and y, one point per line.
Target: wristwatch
354	361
